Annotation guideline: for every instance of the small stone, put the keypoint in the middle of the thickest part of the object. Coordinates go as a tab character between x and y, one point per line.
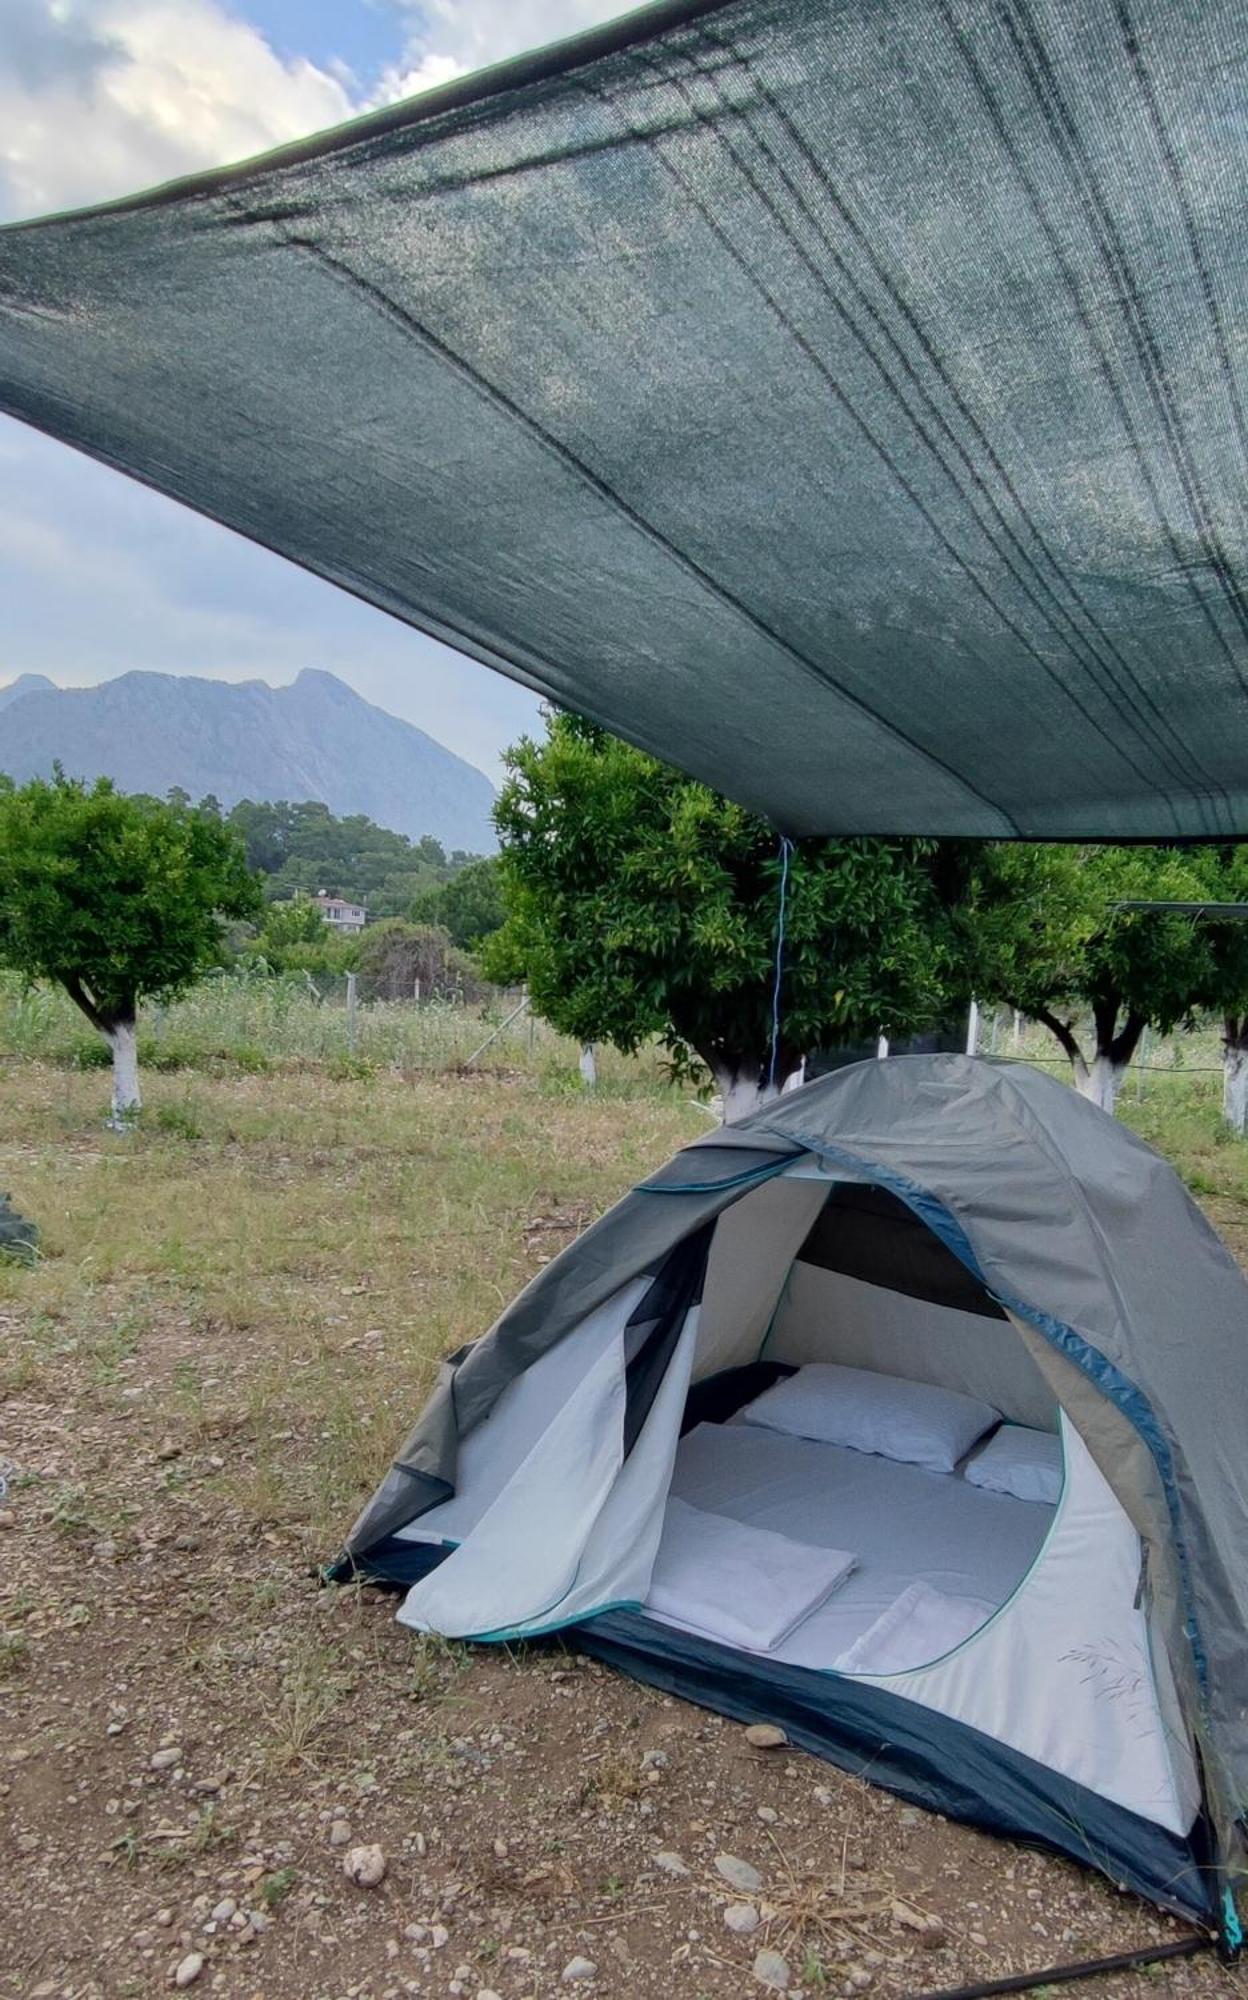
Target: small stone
224	1910
487	1993
578	1968
164	1918
164	1760
766	1736
742	1918
739	1874
772	1971
365	1866
501	1849
189	1969
858	1978
911	1816
768	1815
439	1936
340	1833
671	1863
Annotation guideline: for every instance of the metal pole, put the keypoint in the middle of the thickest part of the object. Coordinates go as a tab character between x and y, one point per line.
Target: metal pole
351	1013
493	1037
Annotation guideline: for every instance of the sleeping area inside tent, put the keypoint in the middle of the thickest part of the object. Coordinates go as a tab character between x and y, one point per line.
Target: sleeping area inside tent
862	1474
870	1489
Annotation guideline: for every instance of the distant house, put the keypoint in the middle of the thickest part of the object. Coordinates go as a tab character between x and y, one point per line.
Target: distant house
339	914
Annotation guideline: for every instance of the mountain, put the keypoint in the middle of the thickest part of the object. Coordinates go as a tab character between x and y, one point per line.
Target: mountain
26	684
315	739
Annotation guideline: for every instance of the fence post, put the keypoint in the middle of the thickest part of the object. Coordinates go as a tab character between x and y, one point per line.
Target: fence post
1141	1066
351	1013
1016	1033
881	1048
972	1029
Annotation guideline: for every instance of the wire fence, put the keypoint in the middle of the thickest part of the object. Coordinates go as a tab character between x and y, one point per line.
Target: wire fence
258	1023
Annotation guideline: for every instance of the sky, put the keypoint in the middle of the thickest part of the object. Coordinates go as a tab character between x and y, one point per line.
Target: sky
103	97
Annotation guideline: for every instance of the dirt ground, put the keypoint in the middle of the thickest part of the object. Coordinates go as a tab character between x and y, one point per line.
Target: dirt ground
195	1737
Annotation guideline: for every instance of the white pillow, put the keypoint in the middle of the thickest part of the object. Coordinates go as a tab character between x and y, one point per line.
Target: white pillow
910	1421
1023	1462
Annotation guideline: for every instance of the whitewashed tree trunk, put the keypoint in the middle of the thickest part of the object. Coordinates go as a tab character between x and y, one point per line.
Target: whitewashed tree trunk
1100	1080
122	1039
1235	1084
744	1091
588	1066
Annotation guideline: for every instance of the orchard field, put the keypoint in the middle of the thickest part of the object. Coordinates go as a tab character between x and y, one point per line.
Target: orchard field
237	1311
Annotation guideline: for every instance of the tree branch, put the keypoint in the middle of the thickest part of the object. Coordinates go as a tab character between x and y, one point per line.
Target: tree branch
82	999
1062	1033
1124	1044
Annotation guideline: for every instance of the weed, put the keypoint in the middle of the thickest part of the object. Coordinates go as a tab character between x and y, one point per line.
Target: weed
178	1121
275	1888
14	1653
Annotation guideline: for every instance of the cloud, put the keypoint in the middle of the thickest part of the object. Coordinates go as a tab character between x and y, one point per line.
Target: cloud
98	575
102	97
448	38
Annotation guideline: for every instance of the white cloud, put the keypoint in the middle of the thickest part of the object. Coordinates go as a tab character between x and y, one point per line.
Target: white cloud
102	97
447	38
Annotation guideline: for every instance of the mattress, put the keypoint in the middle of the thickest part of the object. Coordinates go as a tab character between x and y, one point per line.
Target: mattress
904	1525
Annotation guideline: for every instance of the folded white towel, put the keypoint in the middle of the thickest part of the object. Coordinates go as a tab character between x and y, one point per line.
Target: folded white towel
919	1626
743	1586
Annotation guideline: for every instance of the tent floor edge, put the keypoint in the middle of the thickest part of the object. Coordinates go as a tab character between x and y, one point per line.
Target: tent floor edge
913	1752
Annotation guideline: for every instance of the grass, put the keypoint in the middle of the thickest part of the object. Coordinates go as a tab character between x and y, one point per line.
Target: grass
258	1027
340	1236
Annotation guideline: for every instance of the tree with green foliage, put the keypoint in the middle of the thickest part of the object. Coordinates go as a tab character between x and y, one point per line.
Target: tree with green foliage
641	904
1222	873
1044	932
400	961
115	899
468	905
294	937
302	847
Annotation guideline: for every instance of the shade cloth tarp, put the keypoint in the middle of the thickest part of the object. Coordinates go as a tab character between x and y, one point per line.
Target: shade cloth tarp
845	401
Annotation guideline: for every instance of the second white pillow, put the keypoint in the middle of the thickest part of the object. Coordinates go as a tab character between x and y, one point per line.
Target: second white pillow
910	1421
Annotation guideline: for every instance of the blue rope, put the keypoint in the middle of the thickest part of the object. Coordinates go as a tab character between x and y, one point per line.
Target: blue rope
786	850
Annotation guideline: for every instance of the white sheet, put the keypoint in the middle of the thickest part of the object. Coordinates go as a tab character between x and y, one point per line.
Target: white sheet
903	1524
919	1626
743	1586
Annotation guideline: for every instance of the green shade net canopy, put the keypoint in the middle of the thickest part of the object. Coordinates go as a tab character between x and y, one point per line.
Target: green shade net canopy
843	401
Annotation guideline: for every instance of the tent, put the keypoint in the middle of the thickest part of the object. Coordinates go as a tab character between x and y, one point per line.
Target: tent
1066	1665
847	401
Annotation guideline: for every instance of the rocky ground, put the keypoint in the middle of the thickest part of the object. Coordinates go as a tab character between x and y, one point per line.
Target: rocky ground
216	1775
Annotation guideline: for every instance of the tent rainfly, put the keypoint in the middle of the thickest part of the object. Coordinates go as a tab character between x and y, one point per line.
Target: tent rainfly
845	401
908	1413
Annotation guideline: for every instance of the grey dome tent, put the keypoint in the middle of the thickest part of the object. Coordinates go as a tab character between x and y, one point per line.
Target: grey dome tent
933	1227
